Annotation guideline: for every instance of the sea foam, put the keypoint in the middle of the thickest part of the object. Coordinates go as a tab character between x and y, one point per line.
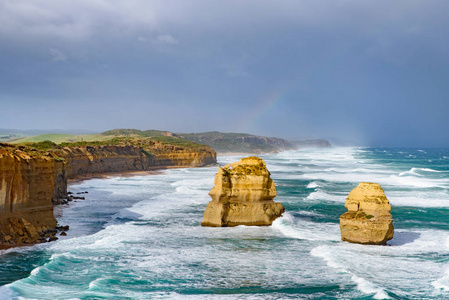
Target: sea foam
140	237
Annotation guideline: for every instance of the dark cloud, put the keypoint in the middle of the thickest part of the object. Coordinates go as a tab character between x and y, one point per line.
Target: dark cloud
371	71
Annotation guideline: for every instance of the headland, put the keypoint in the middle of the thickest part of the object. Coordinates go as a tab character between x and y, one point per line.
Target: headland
34	176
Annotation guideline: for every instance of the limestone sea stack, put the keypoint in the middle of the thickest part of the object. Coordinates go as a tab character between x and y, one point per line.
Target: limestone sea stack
243	195
368	220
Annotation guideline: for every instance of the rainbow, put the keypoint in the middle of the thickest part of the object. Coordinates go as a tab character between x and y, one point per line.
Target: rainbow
265	105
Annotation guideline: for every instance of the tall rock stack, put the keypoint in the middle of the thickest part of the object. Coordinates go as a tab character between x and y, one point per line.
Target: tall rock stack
243	195
368	220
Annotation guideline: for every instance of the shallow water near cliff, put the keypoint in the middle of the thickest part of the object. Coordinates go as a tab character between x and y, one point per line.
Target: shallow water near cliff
140	237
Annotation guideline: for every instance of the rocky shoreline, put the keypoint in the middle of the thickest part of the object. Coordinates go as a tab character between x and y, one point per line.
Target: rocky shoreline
32	180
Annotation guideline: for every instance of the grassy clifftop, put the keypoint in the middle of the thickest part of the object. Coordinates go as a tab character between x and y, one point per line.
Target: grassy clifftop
60	138
221	142
132	137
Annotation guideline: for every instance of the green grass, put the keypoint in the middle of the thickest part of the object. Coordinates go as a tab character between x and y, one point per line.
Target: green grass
123	132
176	141
136	133
61	138
111	137
44	145
222	142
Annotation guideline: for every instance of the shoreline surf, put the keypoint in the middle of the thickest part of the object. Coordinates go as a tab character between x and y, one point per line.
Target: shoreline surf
147	241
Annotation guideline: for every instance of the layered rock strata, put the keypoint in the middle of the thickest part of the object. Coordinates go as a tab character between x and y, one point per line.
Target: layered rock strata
368	220
32	180
111	158
26	189
243	195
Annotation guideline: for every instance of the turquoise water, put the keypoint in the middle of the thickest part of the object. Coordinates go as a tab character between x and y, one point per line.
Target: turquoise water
140	237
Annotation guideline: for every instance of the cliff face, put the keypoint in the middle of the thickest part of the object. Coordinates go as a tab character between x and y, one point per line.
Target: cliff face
176	156
60	185
31	181
102	159
243	195
368	220
26	189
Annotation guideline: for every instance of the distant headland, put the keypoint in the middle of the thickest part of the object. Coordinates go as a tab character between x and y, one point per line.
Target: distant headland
220	141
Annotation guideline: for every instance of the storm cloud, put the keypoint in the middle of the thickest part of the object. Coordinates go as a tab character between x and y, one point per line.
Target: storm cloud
372	72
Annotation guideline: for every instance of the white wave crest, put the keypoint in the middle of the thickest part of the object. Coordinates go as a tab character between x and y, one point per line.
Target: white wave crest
443	282
35	271
321	195
304	230
369	288
312	185
363	285
412	171
417	171
417	182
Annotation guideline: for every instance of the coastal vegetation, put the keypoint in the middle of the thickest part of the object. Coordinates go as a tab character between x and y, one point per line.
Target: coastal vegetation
122	137
221	142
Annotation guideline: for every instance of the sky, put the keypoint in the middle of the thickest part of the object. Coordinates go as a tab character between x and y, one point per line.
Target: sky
372	73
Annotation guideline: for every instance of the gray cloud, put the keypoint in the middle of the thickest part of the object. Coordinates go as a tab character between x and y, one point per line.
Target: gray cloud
165	39
366	70
57	55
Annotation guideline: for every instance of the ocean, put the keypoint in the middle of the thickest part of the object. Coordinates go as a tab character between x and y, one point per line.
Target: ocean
140	237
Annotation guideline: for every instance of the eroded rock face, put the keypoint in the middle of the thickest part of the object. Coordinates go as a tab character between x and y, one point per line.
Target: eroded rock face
243	195
26	190
368	220
32	181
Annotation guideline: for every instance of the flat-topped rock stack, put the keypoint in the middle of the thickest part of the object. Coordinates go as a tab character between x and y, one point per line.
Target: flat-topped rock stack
368	220
243	195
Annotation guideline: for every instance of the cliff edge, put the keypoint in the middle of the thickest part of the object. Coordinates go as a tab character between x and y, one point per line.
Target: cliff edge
26	188
368	220
243	195
34	177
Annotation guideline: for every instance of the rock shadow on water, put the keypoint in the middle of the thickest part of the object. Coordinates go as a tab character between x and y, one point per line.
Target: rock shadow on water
403	238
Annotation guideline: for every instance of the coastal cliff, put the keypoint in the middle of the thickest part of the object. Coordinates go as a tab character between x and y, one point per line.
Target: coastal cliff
26	188
368	220
243	195
116	158
33	178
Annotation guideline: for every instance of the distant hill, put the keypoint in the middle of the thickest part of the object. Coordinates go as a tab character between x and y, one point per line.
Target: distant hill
136	132
221	142
239	142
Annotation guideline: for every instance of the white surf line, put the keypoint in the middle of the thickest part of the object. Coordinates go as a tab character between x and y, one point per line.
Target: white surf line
363	285
443	282
285	223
